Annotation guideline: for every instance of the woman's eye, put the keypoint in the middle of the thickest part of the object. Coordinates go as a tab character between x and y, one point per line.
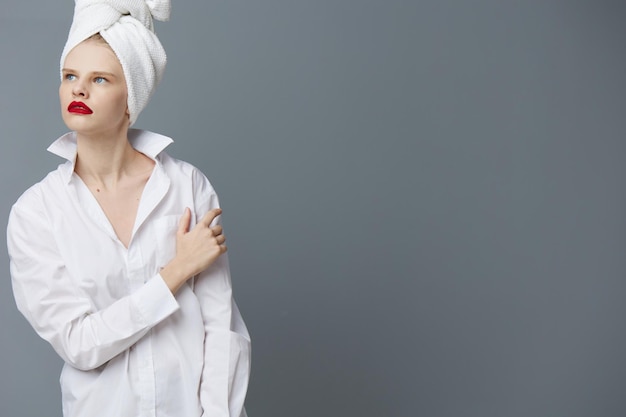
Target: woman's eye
70	77
99	80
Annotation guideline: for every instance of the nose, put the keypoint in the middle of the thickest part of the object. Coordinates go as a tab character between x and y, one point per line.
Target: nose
79	89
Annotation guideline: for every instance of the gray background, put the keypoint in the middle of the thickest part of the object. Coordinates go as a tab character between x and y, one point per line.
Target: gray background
425	200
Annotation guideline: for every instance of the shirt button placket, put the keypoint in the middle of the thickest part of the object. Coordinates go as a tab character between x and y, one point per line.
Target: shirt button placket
136	273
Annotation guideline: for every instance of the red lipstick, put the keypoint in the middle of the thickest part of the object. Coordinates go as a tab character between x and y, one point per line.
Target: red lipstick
79	107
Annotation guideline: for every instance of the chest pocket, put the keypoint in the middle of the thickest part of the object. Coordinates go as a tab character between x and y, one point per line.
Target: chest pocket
164	237
164	234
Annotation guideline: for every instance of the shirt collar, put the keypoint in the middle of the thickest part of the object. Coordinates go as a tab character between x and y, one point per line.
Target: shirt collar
149	143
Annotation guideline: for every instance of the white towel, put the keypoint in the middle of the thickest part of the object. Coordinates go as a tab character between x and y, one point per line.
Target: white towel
128	28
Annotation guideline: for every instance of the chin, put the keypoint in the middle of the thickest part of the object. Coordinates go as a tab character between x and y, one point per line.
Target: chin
84	125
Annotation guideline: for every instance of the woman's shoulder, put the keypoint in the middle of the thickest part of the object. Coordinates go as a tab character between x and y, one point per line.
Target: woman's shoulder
178	169
41	198
49	186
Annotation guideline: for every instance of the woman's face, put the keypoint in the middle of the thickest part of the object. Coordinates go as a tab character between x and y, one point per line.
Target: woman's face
93	90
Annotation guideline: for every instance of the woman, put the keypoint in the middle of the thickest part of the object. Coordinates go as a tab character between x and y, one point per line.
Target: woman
117	257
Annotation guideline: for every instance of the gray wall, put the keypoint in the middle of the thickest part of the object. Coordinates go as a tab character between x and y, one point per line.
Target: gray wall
425	200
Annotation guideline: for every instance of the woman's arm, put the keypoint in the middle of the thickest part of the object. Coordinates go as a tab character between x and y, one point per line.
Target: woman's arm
60	312
227	343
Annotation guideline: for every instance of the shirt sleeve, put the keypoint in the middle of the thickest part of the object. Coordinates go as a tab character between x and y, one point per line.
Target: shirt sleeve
63	315
227	351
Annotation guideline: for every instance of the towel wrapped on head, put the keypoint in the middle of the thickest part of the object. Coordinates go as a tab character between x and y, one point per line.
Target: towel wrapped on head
128	28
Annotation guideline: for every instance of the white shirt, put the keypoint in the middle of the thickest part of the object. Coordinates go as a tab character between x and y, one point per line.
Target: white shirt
131	348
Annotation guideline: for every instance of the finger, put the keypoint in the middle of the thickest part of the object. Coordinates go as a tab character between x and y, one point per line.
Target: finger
220	239
183	223
216	230
210	216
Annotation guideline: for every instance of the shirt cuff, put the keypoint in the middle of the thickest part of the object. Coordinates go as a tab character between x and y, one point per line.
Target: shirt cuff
155	301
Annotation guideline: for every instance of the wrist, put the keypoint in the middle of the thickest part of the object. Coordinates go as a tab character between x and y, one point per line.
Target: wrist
174	275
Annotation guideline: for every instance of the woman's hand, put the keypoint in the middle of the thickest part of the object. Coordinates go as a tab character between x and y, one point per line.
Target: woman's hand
196	250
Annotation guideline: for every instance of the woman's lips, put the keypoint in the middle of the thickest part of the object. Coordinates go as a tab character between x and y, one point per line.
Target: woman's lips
79	108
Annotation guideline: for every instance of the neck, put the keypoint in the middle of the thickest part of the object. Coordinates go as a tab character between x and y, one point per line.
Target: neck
103	160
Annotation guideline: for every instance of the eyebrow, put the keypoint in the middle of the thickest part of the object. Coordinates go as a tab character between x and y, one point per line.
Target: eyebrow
95	73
